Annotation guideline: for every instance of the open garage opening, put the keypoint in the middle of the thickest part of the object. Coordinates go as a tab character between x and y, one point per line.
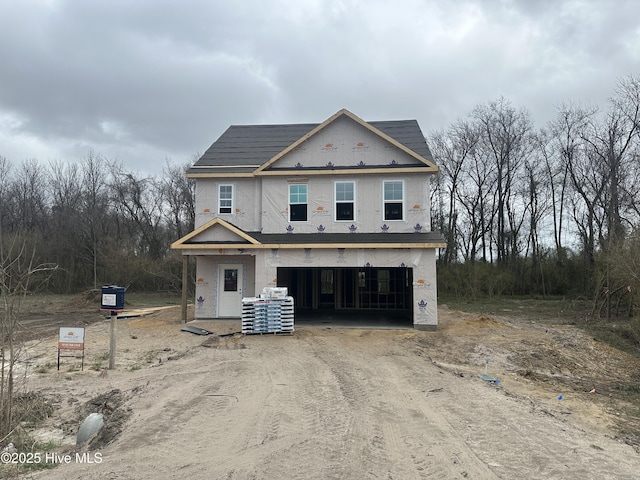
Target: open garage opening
368	296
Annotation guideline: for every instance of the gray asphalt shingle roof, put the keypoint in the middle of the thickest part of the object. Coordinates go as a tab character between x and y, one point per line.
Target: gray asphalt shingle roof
243	147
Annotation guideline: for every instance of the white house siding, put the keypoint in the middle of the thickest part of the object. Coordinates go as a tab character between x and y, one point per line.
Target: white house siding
246	207
207	269
345	143
369	204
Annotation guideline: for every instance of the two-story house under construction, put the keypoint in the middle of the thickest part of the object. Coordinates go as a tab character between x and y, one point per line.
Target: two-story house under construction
338	212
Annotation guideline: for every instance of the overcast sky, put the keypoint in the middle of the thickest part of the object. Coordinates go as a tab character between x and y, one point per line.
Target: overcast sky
141	81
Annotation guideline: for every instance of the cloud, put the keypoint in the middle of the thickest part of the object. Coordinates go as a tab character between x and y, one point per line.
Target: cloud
146	80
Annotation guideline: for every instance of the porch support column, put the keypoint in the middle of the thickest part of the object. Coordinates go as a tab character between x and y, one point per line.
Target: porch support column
185	268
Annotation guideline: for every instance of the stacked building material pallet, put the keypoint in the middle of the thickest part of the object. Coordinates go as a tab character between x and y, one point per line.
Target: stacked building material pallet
267	315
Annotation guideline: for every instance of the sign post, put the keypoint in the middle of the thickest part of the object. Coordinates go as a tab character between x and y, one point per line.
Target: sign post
71	338
113	302
112	340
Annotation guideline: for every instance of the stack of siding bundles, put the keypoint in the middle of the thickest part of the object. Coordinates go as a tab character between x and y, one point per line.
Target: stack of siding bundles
272	312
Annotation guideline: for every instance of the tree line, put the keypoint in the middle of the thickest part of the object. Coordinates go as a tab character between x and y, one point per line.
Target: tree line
524	210
97	221
550	211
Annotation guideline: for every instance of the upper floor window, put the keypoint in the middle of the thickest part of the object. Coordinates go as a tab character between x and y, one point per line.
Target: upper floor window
298	202
393	199
345	200
225	198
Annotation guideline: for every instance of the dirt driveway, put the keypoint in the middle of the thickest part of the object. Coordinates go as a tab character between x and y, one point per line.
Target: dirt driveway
330	403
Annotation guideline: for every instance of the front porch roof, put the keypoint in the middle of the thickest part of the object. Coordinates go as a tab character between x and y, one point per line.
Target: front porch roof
258	240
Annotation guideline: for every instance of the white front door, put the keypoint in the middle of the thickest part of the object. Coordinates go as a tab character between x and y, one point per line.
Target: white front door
230	290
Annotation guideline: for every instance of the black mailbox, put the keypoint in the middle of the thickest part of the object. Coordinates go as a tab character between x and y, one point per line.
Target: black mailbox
112	299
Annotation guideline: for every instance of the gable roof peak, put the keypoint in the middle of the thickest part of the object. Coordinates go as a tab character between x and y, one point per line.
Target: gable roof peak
340	113
249	150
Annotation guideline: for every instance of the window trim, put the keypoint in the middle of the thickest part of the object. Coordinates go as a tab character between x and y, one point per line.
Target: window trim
306	203
220	199
402	201
336	201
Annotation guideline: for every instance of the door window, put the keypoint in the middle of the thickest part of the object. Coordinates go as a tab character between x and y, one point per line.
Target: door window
230	280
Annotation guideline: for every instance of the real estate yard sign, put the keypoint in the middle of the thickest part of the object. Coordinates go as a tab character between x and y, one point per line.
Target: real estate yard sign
71	338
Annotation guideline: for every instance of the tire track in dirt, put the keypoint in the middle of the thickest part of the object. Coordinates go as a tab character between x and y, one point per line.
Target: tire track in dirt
435	447
326	404
401	429
310	420
355	384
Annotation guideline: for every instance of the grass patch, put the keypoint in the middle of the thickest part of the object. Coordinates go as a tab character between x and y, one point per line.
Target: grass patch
45	302
33	451
139	300
622	333
148	358
90	300
151	356
98	361
633	389
30	410
551	310
44	368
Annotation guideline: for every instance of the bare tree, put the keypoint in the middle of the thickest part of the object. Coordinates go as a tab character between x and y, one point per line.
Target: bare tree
5	187
65	223
95	210
18	274
140	202
613	144
28	198
536	203
506	139
179	194
452	151
475	198
560	149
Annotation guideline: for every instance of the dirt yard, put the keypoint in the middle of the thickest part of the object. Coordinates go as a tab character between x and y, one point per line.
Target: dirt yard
333	403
